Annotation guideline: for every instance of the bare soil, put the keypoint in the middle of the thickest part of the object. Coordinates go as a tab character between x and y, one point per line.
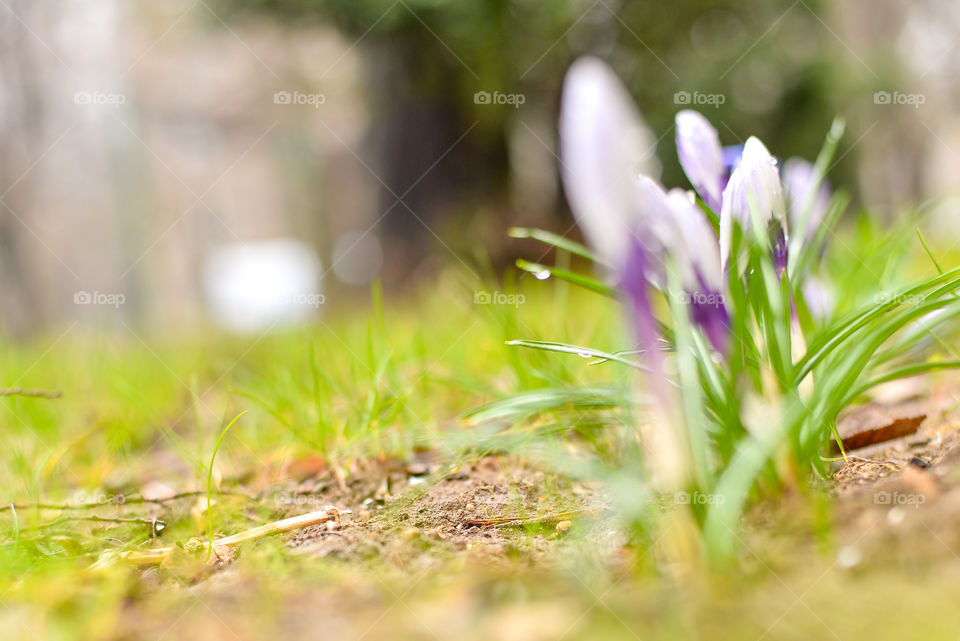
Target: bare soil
420	557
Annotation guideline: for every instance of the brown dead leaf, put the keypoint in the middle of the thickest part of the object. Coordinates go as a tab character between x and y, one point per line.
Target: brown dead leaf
873	424
307	467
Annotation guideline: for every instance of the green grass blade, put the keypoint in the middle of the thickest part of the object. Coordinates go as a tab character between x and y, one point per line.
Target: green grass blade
583	352
213	457
586	282
555	240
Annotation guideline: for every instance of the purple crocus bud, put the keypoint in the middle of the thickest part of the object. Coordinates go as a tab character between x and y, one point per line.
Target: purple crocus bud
698	258
655	229
804	208
754	188
604	146
701	156
674	232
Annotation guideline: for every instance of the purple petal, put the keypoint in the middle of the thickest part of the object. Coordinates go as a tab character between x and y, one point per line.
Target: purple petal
734	201
698	148
655	231
696	247
698	258
604	145
633	282
779	242
708	311
731	157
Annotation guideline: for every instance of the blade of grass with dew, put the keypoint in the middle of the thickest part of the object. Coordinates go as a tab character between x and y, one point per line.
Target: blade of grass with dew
539	271
557	241
583	352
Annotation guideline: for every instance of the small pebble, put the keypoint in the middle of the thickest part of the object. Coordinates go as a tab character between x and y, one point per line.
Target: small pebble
896	516
848	556
418	469
471	507
563	526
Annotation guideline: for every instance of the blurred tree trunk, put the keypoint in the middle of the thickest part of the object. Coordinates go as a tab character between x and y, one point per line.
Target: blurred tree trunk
427	151
21	129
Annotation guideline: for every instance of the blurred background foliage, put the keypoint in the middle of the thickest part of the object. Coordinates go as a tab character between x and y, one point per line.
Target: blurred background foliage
400	170
782	75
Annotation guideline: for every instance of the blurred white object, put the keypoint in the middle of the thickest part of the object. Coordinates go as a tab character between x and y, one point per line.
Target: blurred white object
255	286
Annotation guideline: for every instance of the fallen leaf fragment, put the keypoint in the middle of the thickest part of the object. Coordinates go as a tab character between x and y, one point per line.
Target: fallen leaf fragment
874	424
306	467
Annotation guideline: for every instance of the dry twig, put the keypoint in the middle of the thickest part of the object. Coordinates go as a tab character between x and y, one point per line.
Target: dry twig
118	500
34	393
160	555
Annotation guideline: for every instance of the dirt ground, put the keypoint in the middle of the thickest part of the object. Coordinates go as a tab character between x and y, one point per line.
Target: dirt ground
419	554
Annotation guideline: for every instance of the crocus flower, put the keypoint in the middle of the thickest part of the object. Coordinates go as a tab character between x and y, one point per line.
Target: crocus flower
707	165
699	262
632	223
604	146
701	156
602	138
754	189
